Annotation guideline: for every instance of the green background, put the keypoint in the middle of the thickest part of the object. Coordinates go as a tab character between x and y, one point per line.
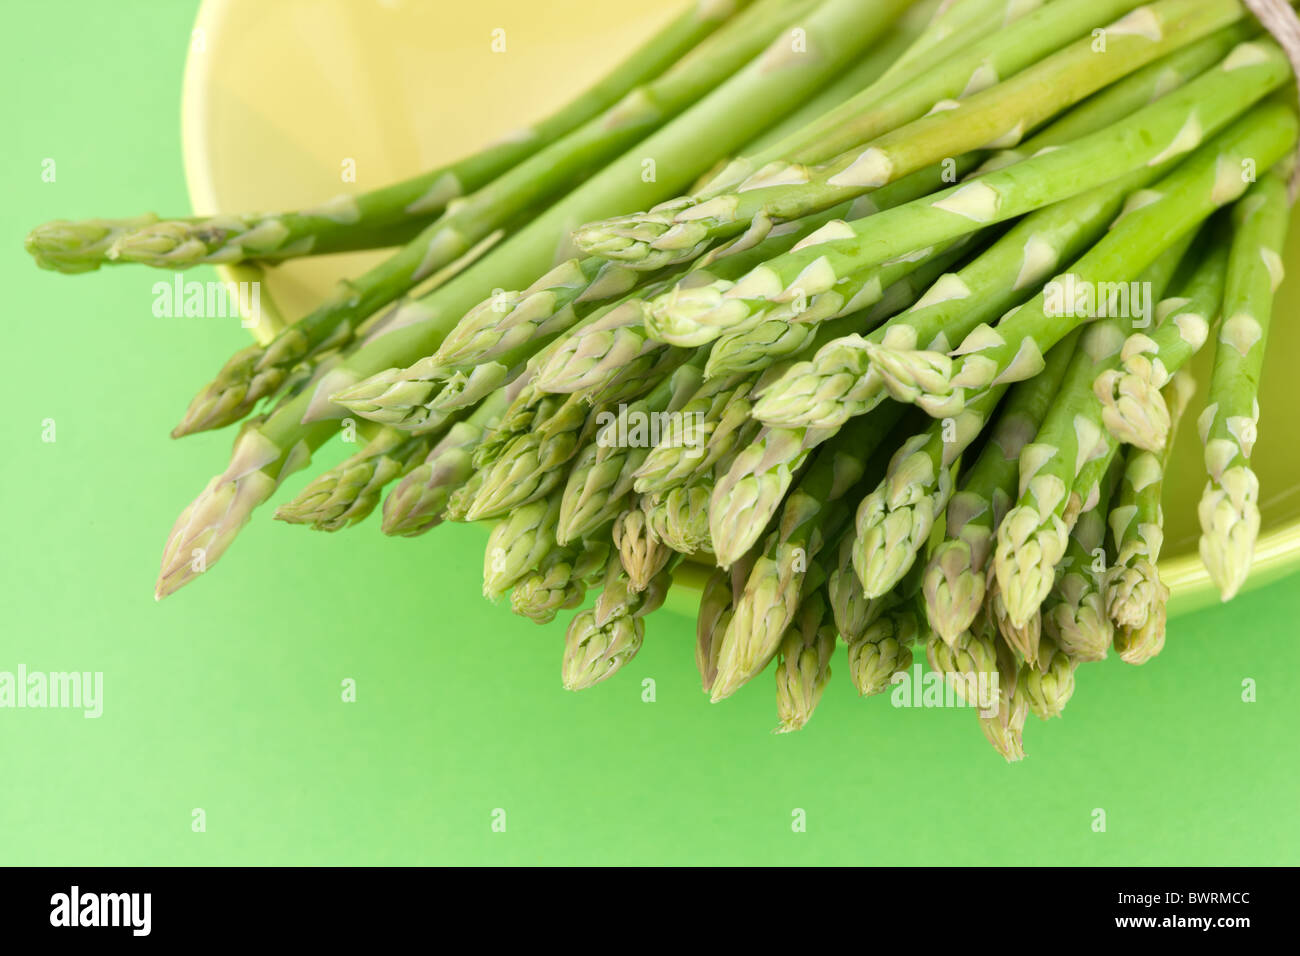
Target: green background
227	697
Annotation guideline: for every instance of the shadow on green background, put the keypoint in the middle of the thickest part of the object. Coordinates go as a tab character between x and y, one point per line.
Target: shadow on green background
227	697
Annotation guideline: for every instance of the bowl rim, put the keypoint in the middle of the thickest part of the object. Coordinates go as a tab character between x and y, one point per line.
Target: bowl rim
1277	550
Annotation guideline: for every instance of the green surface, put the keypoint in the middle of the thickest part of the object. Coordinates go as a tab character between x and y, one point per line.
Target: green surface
227	696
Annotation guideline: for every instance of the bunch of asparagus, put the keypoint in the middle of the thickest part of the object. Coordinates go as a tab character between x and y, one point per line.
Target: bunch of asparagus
897	348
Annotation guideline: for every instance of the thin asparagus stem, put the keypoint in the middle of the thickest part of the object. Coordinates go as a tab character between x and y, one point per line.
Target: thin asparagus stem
1229	509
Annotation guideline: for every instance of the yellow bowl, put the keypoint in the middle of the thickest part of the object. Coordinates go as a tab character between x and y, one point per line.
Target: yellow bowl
278	97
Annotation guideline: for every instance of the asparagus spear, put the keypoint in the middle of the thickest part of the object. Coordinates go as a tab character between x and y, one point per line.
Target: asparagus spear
462	498
1005	728
348	493
710	623
599	641
1152	220
1025	637
779	79
640	551
1135	595
419	500
781	573
779	191
532	464
560	581
1049	686
1158	134
697	311
912	29
386	216
969	665
884	648
680	516
840	381
954	578
803	664
1032	537
257	371
1229	509
600	481
518	544
595	324
758	343
755	485
1132	407
1074	613
692	442
721	419
1131	93
1062	471
851	608
896	519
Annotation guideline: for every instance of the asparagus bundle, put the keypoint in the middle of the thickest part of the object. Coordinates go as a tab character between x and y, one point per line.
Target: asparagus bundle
894	364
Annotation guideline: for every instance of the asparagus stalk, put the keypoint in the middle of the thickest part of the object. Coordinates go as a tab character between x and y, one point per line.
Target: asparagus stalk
680	516
1152	221
1133	409
779	79
896	519
1023	638
693	442
1229	509
348	493
462	498
780	191
599	641
1005	728
640	551
1135	595
754	487
1062	471
1158	134
852	609
711	623
969	665
518	544
586	309
781	573
1049	686
953	583
600	481
803	664
418	502
884	648
883	57
532	464
1032	537
560	581
1132	93
387	216
1074	613
840	381
696	312
255	372
758	343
